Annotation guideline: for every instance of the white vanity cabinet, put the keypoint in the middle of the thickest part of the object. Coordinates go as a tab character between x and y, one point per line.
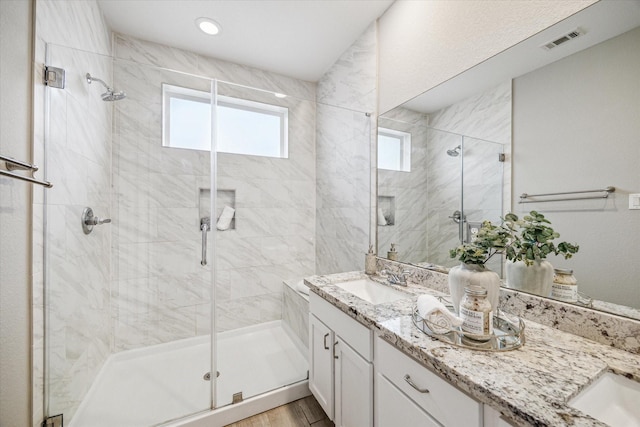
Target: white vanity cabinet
340	364
405	389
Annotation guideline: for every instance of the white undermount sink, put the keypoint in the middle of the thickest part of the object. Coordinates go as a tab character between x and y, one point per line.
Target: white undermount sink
371	291
612	399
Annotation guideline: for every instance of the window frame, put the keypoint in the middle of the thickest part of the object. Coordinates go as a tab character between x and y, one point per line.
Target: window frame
170	91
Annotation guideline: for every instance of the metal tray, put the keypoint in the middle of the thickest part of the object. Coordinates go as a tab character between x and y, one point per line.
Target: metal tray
508	333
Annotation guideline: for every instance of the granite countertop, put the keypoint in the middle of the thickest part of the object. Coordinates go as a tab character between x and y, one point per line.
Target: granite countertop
530	386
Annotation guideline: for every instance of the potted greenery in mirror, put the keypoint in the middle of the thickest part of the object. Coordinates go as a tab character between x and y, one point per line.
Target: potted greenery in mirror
473	256
530	241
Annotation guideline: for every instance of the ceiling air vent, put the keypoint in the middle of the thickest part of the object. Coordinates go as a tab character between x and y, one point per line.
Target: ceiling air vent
563	39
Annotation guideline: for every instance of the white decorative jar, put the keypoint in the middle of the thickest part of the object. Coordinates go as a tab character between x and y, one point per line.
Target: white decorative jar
534	279
464	275
565	286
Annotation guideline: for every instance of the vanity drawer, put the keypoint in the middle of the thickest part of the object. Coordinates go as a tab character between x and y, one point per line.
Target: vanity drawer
445	403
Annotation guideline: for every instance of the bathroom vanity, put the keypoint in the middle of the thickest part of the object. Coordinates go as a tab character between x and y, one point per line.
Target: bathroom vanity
370	366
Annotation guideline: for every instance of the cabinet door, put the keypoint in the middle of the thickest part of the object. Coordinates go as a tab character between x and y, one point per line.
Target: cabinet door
321	379
353	388
394	409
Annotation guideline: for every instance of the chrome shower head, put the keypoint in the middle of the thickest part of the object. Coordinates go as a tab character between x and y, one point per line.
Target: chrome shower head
454	151
110	94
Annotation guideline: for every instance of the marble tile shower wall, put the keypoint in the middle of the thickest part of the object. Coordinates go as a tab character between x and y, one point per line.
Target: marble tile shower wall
345	137
79	165
408	189
160	290
487	183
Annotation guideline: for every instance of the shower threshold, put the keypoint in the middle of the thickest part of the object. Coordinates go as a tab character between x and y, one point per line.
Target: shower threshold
153	385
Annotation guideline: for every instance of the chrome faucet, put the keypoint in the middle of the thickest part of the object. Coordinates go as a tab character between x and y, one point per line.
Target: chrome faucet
398	278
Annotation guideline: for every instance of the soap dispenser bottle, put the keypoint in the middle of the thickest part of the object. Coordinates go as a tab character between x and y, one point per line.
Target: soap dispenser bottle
392	254
370	262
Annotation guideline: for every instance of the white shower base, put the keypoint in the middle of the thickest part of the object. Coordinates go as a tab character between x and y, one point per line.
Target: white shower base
149	386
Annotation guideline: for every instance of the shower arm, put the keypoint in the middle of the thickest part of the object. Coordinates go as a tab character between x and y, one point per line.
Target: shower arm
91	79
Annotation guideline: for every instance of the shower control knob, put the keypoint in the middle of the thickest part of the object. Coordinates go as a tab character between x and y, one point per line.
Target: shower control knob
88	220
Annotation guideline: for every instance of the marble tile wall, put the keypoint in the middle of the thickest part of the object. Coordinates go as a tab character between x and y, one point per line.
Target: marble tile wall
79	164
409	190
481	118
161	292
344	142
295	312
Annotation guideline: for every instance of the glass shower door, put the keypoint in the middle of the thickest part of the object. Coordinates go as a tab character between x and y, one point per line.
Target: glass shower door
264	234
127	299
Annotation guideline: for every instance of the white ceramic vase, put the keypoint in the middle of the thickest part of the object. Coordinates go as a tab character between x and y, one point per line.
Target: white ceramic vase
464	275
535	279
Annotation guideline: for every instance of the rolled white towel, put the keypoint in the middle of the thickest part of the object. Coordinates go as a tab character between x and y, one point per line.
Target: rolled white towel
381	219
302	288
224	220
440	319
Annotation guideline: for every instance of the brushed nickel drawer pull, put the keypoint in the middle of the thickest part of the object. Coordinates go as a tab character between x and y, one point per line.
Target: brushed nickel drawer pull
326	347
407	378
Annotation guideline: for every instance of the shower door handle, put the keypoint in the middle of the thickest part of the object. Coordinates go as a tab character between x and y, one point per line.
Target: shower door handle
205	225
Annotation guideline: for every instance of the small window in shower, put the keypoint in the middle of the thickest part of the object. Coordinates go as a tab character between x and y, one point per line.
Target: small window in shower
244	127
394	150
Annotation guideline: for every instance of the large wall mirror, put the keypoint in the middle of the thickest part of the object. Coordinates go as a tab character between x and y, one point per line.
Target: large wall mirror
537	118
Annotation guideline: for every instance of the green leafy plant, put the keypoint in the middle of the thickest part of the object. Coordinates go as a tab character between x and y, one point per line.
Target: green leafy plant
530	238
490	240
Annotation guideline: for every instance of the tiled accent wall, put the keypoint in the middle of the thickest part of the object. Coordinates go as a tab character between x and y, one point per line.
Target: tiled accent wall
161	292
79	165
345	135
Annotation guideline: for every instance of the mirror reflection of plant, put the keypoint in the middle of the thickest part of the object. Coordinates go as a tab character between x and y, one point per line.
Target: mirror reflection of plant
490	240
530	238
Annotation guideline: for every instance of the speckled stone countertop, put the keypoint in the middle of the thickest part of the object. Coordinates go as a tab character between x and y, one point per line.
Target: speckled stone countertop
530	386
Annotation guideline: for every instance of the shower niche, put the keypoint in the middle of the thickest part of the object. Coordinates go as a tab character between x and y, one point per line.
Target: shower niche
386	211
225	206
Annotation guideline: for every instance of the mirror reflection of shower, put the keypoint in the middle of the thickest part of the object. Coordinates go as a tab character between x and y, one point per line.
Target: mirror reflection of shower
454	151
110	94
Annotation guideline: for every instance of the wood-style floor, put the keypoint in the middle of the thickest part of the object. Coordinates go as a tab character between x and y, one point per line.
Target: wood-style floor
301	413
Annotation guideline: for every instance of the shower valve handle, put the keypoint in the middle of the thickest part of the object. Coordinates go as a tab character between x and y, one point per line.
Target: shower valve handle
89	220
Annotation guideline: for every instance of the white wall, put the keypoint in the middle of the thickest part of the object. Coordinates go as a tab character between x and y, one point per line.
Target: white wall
424	43
576	126
15	214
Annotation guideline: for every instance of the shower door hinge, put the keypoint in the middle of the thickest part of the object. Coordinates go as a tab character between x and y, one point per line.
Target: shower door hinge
54	421
54	77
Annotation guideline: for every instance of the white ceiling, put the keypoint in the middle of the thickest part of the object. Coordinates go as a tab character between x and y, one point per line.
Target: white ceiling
297	38
600	21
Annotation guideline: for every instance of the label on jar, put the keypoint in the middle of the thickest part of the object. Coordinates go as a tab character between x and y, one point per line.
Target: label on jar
567	293
476	322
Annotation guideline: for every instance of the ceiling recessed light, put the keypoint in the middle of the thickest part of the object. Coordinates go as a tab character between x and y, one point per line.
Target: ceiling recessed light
280	95
208	26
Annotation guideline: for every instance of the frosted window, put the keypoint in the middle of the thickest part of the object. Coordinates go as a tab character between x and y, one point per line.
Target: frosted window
244	127
394	150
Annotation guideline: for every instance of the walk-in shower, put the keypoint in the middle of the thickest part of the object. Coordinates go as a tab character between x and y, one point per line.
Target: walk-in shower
110	94
137	314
